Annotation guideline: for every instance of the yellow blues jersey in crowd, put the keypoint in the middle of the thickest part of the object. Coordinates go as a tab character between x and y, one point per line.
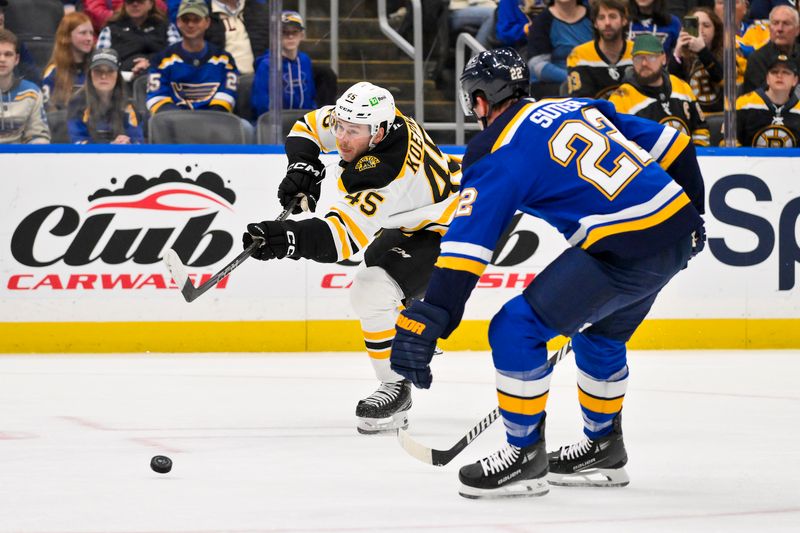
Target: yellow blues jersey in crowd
591	74
186	80
762	124
405	182
673	104
596	175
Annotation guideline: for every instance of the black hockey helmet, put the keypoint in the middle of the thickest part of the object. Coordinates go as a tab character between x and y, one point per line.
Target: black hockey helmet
499	74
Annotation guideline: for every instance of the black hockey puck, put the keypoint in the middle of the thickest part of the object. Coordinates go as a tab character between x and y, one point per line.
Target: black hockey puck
161	464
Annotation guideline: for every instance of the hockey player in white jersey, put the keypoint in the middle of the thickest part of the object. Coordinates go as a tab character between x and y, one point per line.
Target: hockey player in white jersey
396	200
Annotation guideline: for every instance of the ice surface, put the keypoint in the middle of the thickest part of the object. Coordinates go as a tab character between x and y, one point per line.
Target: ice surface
265	443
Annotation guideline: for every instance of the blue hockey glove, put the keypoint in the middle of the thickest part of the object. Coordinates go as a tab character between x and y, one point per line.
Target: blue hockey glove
279	241
698	240
418	329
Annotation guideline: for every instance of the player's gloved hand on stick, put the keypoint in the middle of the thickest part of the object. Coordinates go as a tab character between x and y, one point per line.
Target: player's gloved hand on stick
698	240
277	237
418	329
301	179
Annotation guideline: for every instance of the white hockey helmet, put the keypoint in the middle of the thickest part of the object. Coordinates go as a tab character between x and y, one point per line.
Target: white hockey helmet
365	103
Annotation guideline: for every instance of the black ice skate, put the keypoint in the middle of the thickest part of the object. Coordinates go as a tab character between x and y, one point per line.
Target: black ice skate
511	472
591	463
386	409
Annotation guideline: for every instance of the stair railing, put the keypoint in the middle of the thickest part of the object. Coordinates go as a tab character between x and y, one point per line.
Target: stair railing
464	40
415	51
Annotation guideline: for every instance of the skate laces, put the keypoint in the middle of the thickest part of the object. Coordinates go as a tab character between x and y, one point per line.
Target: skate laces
499	460
386	393
573	451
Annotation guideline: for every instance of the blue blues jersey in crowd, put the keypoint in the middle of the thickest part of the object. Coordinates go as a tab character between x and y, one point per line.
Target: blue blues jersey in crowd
593	174
186	80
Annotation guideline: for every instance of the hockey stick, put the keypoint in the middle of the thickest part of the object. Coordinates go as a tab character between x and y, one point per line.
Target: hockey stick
442	457
178	269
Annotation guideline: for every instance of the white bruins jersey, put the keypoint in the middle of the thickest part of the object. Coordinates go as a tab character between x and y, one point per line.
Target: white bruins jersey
404	182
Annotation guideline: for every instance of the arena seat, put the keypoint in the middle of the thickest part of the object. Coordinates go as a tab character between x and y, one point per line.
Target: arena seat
34	18
57	120
243	107
196	127
715	122
288	118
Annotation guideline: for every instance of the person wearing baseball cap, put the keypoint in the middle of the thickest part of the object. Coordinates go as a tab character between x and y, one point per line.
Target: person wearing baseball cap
769	117
193	73
299	89
100	112
652	93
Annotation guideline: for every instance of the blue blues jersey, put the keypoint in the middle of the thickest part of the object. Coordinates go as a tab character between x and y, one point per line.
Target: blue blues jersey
181	79
593	174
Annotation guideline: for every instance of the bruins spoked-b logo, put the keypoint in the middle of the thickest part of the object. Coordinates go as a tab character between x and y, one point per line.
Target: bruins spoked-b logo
367	162
775	136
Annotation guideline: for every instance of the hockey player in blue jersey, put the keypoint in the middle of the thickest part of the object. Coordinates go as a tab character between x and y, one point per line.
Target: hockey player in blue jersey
627	194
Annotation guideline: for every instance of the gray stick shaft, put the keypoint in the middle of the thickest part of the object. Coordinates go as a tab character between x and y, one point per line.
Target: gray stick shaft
442	457
178	269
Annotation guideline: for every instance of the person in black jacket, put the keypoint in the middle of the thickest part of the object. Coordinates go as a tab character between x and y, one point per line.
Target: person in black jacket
137	31
784	28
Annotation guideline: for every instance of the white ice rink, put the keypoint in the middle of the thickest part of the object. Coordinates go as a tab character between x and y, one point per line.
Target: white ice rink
265	443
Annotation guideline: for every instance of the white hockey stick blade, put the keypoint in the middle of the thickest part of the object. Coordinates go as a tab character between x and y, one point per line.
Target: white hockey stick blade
176	268
414	448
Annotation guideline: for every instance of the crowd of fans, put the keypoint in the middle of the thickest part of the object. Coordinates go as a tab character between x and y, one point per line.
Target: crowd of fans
661	59
184	54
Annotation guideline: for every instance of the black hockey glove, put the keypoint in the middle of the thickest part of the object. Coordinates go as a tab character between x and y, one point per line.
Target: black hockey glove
418	329
279	240
698	240
301	179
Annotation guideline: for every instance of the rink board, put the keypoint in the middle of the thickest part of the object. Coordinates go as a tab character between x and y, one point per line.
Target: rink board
83	234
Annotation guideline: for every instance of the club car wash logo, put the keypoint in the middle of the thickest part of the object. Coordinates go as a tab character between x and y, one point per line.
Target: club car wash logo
117	239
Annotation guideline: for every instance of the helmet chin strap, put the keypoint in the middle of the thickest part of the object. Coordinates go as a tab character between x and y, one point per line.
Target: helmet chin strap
372	143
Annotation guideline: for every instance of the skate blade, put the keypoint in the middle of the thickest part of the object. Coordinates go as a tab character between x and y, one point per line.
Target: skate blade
595	477
382	426
527	488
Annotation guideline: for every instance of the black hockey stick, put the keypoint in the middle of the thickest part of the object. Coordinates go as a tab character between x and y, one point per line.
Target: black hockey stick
178	269
442	457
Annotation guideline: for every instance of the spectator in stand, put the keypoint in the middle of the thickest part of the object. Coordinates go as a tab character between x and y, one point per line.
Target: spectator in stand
26	68
769	117
555	31
137	31
750	36
698	60
299	90
784	27
100	11
596	67
470	15
656	95
66	72
100	112
22	117
192	74
762	9
650	16
240	27
509	24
